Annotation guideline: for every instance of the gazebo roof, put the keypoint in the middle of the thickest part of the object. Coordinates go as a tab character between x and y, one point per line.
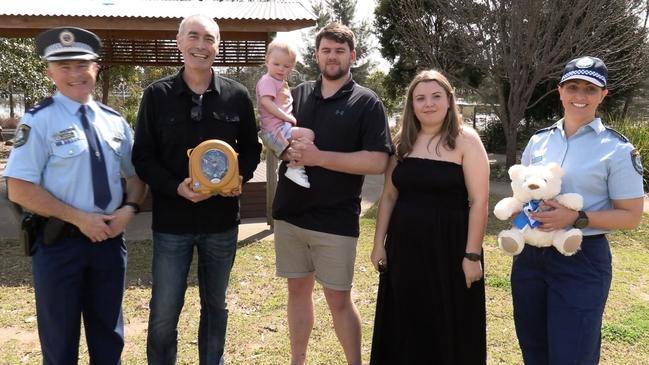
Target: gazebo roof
143	32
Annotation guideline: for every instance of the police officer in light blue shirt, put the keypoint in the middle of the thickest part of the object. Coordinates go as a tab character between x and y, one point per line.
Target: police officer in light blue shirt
60	163
559	300
69	155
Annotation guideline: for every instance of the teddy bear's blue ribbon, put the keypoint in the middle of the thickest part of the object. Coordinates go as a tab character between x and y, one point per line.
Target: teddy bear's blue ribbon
523	218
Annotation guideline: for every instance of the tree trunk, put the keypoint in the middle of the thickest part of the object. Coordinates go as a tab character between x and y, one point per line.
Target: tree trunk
625	109
515	115
510	139
510	124
475	114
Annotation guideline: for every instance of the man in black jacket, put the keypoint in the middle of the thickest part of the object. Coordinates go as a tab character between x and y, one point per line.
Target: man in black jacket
176	114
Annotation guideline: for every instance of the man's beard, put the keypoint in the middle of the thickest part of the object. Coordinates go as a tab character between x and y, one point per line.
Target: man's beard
342	72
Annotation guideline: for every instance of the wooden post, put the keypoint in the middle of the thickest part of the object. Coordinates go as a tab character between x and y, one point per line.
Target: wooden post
271	185
105	86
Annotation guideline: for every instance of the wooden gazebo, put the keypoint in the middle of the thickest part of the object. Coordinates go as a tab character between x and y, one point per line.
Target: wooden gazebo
143	32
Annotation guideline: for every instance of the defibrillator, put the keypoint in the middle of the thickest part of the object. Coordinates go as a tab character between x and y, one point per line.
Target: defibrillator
214	168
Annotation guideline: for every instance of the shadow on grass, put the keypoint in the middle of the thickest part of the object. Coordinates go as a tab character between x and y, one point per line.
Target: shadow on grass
260	236
15	269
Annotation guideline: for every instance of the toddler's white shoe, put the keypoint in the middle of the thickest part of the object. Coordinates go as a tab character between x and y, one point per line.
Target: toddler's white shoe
298	176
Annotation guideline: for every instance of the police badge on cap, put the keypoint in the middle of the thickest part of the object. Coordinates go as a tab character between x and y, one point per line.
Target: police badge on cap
587	68
68	43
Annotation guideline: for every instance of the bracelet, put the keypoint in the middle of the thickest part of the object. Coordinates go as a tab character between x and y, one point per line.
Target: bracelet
135	206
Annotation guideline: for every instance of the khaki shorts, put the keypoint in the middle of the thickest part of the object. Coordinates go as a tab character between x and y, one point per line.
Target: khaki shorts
300	252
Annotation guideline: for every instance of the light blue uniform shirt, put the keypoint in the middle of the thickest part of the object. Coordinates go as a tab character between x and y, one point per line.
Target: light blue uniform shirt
597	163
56	155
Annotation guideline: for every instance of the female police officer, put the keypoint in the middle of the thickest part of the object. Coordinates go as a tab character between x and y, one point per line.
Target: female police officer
559	300
68	154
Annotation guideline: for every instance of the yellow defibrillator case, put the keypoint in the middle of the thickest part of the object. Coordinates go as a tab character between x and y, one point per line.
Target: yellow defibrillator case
214	167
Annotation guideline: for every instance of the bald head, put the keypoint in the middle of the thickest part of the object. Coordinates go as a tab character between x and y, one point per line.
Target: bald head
199	18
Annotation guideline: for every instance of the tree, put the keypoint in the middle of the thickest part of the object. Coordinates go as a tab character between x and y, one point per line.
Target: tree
516	45
342	11
377	81
22	72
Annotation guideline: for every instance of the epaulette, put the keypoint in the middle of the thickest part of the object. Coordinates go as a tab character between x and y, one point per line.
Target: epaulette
618	134
547	129
40	106
109	109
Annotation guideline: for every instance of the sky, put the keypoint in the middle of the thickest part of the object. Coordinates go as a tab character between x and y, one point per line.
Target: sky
364	10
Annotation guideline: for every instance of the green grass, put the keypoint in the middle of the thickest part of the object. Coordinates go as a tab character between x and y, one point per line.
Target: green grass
632	327
257	329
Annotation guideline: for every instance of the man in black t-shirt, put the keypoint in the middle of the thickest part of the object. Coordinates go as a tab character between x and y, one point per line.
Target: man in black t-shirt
316	229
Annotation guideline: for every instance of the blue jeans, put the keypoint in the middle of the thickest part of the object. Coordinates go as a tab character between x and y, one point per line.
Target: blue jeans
172	257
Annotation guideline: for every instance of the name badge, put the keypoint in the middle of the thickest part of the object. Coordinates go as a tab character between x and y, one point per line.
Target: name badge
537	160
66	136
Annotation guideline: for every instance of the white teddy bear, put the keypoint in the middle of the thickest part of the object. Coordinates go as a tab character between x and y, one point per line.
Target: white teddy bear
531	185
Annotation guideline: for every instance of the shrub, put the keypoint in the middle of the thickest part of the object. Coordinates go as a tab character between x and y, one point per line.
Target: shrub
9	122
493	137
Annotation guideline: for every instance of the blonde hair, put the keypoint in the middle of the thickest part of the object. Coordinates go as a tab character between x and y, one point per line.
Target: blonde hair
277	45
410	125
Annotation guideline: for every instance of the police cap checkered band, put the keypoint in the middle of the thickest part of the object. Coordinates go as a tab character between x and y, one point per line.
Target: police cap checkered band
68	43
591	69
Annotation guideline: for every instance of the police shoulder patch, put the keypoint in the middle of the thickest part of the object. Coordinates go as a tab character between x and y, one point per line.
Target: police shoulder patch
22	135
636	161
41	105
617	134
108	109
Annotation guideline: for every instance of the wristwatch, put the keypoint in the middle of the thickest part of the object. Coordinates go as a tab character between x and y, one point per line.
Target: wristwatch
472	256
582	220
135	206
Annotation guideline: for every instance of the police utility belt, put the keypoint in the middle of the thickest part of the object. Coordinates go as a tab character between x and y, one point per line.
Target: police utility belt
53	230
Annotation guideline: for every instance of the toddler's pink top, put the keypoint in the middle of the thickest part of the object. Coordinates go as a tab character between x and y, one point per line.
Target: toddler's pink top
279	90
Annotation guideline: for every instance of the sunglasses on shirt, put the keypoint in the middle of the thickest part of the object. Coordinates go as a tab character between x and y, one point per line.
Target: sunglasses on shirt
196	113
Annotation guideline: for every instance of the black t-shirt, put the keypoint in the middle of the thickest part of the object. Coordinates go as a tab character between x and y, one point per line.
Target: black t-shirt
165	132
351	120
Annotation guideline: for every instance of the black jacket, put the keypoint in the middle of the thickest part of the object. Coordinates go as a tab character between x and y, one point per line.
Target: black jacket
165	131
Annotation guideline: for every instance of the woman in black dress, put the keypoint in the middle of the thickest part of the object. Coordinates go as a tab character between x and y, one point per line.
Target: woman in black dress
429	232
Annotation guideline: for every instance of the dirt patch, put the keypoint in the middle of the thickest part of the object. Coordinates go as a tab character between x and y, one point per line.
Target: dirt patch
29	338
21	335
136	326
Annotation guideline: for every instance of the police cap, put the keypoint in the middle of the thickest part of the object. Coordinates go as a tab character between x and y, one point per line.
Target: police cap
68	43
586	68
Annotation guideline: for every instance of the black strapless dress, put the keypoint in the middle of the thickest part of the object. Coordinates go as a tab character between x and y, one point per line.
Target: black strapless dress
424	312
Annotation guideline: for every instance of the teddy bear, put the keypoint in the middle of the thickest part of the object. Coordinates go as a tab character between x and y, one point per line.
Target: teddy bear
531	185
